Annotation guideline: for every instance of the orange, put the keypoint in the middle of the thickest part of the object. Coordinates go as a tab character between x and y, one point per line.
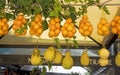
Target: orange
31	32
39	30
36	19
62	28
57	31
69	20
100	32
104	28
99	26
51	33
2	23
85	17
118	21
24	20
57	19
90	29
103	21
1	32
64	33
86	33
19	22
85	27
37	34
70	34
107	25
70	27
4	20
113	23
106	33
14	27
74	30
81	31
40	24
84	20
72	24
36	26
52	22
5	27
114	30
81	25
20	17
66	24
116	18
52	27
57	25
39	16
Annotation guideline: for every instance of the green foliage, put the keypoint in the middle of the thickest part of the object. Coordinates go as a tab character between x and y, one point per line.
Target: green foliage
44	70
57	43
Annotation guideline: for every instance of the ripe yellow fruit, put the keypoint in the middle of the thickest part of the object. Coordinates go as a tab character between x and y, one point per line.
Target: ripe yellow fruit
58	57
67	62
49	54
104	53
103	62
84	58
117	59
36	59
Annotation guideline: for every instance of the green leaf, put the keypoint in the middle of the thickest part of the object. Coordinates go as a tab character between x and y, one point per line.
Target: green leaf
44	70
45	25
49	65
57	43
75	42
73	16
106	10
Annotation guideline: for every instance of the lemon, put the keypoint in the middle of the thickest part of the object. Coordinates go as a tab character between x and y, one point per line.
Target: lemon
103	62
117	59
58	57
36	59
49	54
67	62
84	58
104	53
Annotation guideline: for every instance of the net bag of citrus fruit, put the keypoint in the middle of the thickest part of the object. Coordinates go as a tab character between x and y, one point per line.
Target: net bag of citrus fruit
85	27
103	26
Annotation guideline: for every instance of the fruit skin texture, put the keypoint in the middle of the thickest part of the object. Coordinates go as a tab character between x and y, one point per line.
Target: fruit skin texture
117	59
67	62
84	59
36	59
103	62
104	53
49	54
58	57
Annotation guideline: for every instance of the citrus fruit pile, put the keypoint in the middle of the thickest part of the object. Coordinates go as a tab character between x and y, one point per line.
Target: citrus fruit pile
19	25
36	27
68	29
115	24
85	27
54	27
103	27
3	26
